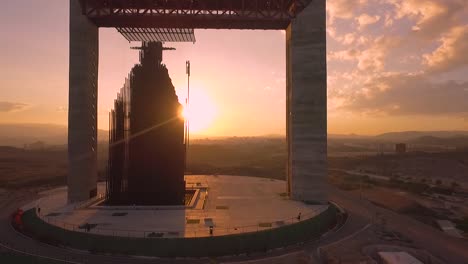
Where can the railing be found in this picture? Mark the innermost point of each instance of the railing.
(189, 231)
(267, 238)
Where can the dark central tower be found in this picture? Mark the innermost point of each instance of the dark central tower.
(152, 148)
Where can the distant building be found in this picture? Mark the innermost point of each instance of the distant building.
(400, 148)
(38, 145)
(401, 257)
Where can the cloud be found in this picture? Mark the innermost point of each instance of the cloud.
(340, 9)
(405, 94)
(62, 109)
(452, 53)
(343, 55)
(343, 9)
(365, 20)
(349, 38)
(431, 17)
(373, 58)
(12, 106)
(392, 67)
(388, 22)
(370, 54)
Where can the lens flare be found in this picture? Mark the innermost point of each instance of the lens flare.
(202, 111)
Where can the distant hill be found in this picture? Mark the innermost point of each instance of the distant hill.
(412, 135)
(455, 141)
(347, 136)
(20, 134)
(8, 149)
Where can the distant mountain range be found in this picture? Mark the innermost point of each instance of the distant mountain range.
(20, 134)
(348, 136)
(454, 141)
(412, 135)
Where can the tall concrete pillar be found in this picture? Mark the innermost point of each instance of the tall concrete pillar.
(82, 106)
(306, 104)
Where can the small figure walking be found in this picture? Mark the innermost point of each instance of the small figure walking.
(299, 217)
(39, 210)
(211, 230)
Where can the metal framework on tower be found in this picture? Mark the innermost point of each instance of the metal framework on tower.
(215, 14)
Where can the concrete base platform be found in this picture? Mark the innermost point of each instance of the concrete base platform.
(231, 204)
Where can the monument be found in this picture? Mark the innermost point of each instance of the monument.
(146, 146)
(166, 21)
(226, 215)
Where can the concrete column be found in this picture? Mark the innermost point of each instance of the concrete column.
(306, 97)
(82, 106)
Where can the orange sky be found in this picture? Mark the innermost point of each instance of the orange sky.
(393, 65)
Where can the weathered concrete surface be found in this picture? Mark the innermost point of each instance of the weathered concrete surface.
(232, 204)
(82, 106)
(306, 106)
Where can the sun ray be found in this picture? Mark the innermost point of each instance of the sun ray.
(202, 111)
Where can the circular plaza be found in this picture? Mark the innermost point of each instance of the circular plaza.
(239, 214)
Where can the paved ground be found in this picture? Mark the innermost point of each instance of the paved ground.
(11, 239)
(231, 204)
(361, 213)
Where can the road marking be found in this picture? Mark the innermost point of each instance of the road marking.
(350, 236)
(341, 240)
(264, 259)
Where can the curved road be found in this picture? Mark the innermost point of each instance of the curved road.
(450, 249)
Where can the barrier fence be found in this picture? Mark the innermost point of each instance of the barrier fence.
(188, 231)
(201, 246)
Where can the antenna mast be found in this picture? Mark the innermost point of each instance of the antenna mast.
(187, 106)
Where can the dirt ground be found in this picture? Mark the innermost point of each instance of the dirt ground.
(363, 247)
(398, 201)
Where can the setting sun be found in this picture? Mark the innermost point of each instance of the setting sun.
(202, 111)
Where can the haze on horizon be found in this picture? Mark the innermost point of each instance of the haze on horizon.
(393, 65)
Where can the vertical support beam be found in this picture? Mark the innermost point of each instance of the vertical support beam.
(306, 97)
(82, 106)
